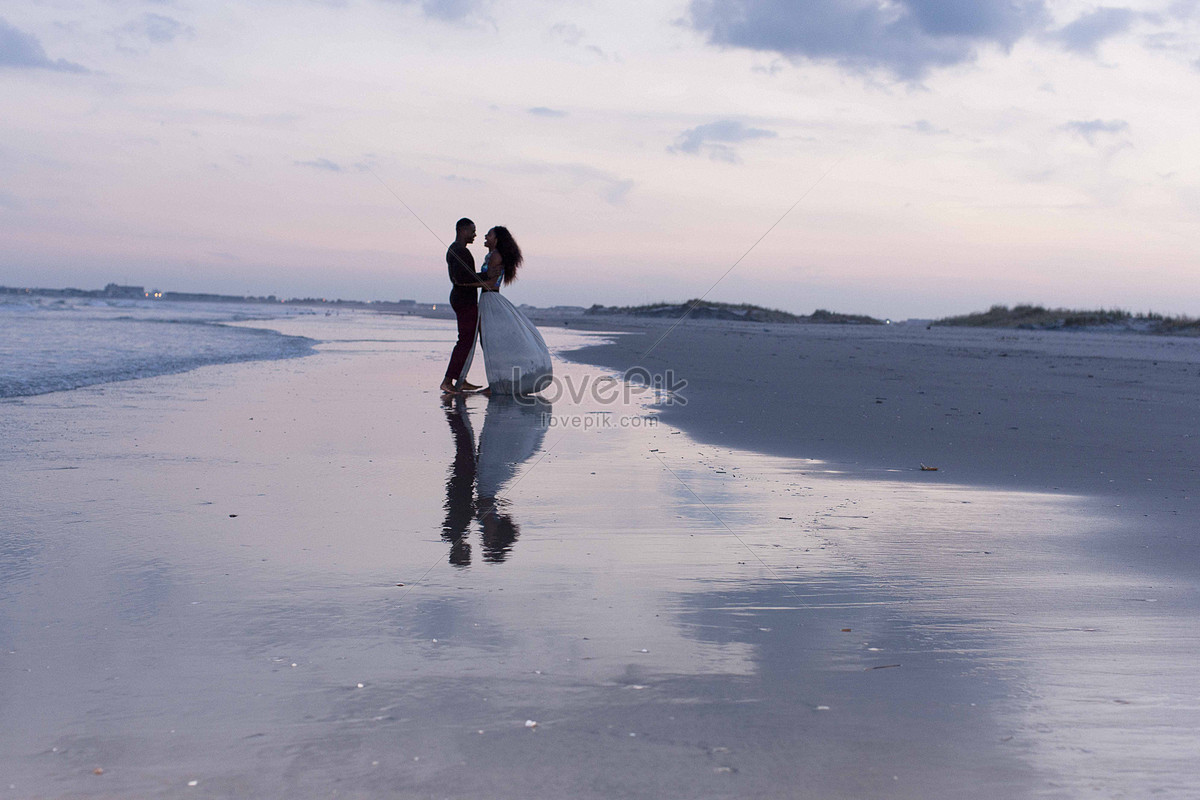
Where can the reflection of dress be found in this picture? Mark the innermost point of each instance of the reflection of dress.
(515, 356)
(512, 432)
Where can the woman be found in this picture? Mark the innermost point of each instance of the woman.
(515, 357)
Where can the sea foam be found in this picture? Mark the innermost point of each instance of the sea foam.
(52, 344)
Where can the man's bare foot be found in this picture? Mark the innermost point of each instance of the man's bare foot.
(468, 387)
(486, 391)
(447, 387)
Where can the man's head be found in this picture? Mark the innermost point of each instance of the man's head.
(464, 231)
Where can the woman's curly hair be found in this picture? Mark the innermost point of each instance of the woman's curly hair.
(509, 252)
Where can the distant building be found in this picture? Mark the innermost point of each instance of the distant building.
(116, 290)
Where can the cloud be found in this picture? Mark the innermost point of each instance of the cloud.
(449, 10)
(158, 29)
(772, 69)
(23, 51)
(1084, 34)
(612, 188)
(573, 35)
(542, 111)
(926, 127)
(200, 116)
(617, 191)
(1184, 9)
(715, 139)
(568, 32)
(905, 37)
(1169, 42)
(320, 163)
(1090, 129)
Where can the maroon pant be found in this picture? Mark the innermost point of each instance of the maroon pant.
(468, 319)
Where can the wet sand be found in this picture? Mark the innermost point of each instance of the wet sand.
(284, 579)
(1111, 416)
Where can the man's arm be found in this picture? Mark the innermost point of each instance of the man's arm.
(476, 279)
(462, 271)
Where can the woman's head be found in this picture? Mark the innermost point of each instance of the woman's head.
(503, 243)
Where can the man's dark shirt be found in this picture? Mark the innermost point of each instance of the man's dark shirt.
(461, 265)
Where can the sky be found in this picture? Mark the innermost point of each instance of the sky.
(900, 158)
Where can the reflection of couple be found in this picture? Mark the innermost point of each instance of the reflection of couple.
(515, 357)
(512, 432)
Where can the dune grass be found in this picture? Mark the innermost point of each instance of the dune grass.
(1041, 318)
(707, 309)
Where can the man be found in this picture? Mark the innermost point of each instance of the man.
(464, 299)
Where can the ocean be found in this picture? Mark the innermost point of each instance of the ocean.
(51, 344)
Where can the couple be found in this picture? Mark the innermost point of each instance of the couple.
(515, 357)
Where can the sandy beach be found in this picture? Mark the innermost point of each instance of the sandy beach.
(313, 577)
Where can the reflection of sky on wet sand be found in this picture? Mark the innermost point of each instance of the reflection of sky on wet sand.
(672, 615)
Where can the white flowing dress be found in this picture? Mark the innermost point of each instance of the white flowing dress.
(515, 356)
